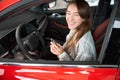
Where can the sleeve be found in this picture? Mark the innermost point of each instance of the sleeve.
(64, 57)
(85, 52)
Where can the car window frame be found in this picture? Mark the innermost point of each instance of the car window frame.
(108, 33)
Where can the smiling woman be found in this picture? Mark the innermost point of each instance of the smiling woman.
(79, 45)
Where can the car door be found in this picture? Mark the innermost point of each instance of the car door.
(105, 68)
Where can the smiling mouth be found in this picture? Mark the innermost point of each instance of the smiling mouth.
(71, 23)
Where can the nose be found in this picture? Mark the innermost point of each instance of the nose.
(70, 17)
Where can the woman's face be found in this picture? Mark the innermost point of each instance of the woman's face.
(72, 17)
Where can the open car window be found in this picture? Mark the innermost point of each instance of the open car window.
(56, 27)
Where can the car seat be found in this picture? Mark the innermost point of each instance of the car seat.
(99, 33)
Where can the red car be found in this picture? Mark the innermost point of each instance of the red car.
(26, 27)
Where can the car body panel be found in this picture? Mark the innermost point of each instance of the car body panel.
(57, 72)
(6, 3)
(118, 74)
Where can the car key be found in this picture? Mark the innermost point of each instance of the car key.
(52, 40)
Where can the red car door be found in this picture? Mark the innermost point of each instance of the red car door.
(105, 68)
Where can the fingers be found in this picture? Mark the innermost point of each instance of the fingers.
(56, 48)
(52, 47)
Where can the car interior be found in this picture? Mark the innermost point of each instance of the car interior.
(33, 33)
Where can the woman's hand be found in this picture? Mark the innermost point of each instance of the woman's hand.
(56, 48)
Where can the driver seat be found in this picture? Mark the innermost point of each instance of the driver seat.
(99, 33)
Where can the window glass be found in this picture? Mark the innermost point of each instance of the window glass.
(60, 4)
(93, 2)
(112, 2)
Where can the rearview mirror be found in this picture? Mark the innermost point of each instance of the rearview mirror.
(52, 4)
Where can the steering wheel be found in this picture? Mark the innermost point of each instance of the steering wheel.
(35, 38)
(30, 42)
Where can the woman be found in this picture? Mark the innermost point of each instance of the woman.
(79, 45)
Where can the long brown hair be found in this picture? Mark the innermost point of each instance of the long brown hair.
(85, 13)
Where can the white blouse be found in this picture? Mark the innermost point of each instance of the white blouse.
(84, 50)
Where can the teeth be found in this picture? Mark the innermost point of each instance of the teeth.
(71, 23)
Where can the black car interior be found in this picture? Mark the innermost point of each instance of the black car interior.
(32, 35)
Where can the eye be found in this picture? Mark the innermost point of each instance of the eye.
(76, 14)
(67, 13)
